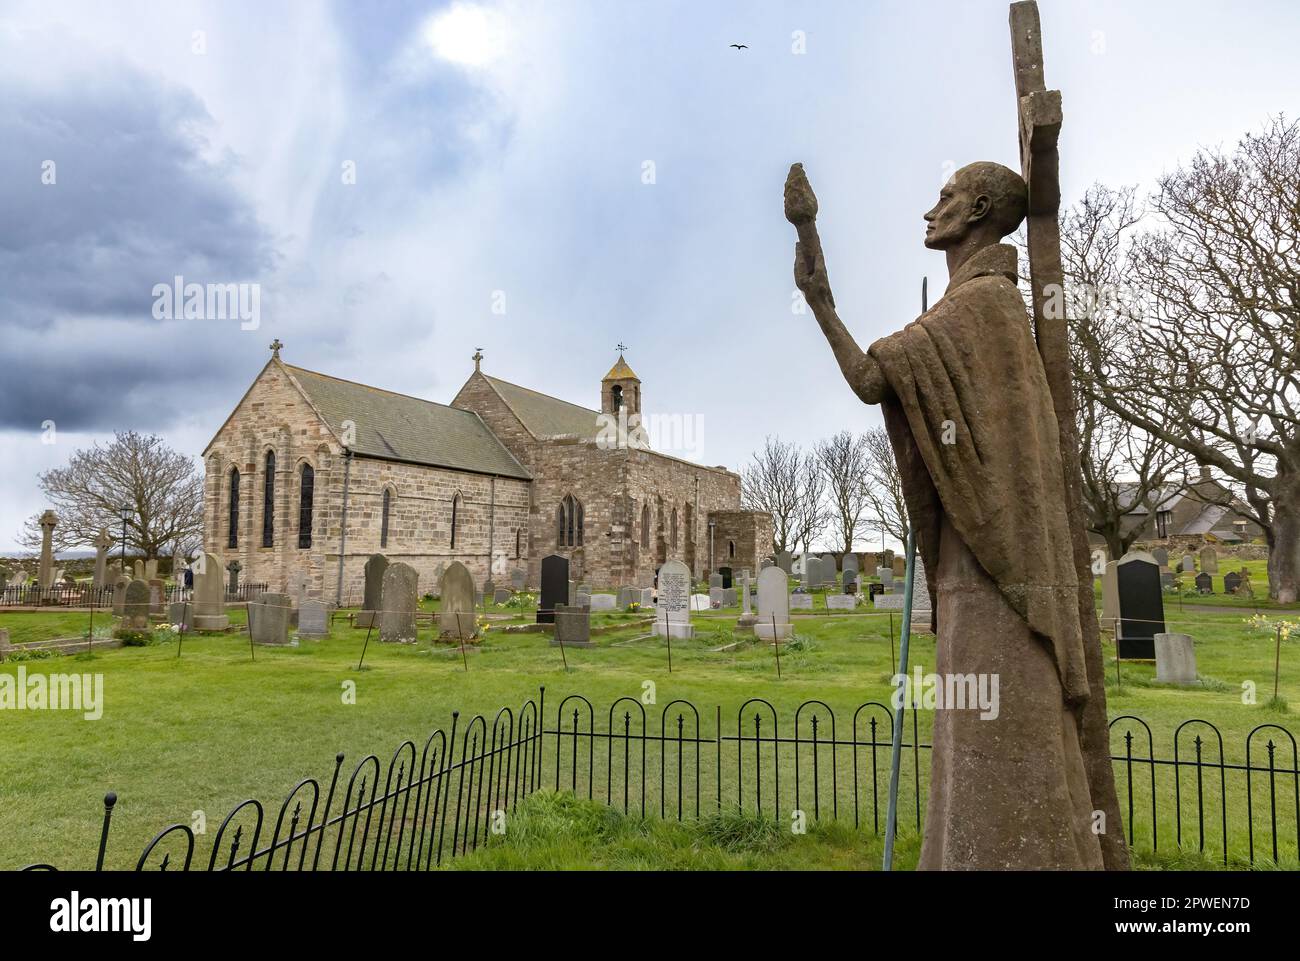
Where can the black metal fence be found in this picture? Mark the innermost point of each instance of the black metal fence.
(444, 799)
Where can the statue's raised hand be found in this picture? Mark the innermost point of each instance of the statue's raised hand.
(809, 265)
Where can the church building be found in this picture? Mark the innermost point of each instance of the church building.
(311, 474)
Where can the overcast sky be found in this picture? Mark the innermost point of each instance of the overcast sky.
(500, 153)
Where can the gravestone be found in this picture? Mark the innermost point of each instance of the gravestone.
(137, 570)
(725, 574)
(297, 588)
(232, 571)
(518, 577)
(785, 561)
(1161, 556)
(1166, 580)
(1175, 659)
(456, 617)
(157, 596)
(1204, 583)
(501, 596)
(715, 597)
(135, 608)
(800, 602)
(728, 597)
(672, 614)
(45, 571)
(180, 614)
(119, 595)
(1231, 581)
(1209, 560)
(841, 602)
(1141, 606)
(850, 566)
(887, 558)
(886, 575)
(773, 619)
(268, 619)
(399, 599)
(899, 567)
(1188, 563)
(555, 587)
(376, 566)
(701, 602)
(715, 581)
(151, 569)
(1243, 584)
(209, 596)
(627, 596)
(582, 599)
(920, 588)
(812, 572)
(830, 566)
(604, 602)
(102, 543)
(647, 598)
(850, 584)
(572, 627)
(745, 623)
(1110, 596)
(874, 590)
(313, 618)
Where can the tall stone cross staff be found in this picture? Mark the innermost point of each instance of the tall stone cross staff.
(1039, 111)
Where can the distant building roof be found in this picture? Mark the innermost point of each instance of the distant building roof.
(546, 416)
(1205, 521)
(404, 428)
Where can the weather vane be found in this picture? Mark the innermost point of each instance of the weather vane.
(620, 347)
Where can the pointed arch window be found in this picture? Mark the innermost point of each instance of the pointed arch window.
(616, 395)
(455, 517)
(306, 499)
(568, 517)
(645, 527)
(268, 501)
(232, 516)
(674, 529)
(519, 540)
(731, 548)
(383, 518)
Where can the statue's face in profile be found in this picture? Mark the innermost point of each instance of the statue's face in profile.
(948, 221)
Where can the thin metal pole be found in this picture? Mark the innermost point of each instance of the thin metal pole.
(896, 752)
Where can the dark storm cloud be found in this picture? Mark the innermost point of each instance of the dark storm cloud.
(134, 203)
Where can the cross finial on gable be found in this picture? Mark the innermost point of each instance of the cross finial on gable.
(275, 348)
(478, 357)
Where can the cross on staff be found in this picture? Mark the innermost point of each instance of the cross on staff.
(1039, 121)
(620, 347)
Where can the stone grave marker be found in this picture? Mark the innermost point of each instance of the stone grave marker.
(1141, 605)
(555, 587)
(1209, 560)
(119, 595)
(456, 617)
(135, 610)
(773, 605)
(1175, 659)
(209, 595)
(375, 569)
(157, 596)
(1231, 581)
(841, 602)
(313, 618)
(502, 596)
(604, 602)
(800, 602)
(1161, 556)
(1188, 563)
(572, 627)
(268, 619)
(399, 599)
(672, 614)
(102, 543)
(1204, 583)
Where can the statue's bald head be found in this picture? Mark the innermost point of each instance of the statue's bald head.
(983, 197)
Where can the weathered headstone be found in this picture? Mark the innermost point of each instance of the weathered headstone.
(209, 597)
(1188, 563)
(1204, 583)
(297, 588)
(518, 577)
(785, 561)
(1141, 606)
(920, 587)
(1175, 659)
(728, 597)
(157, 596)
(572, 627)
(886, 575)
(627, 596)
(672, 615)
(45, 572)
(399, 599)
(119, 595)
(604, 602)
(180, 614)
(850, 566)
(1161, 556)
(137, 570)
(702, 602)
(800, 602)
(135, 610)
(268, 619)
(313, 618)
(899, 567)
(151, 569)
(773, 621)
(457, 618)
(375, 569)
(1231, 581)
(502, 595)
(1209, 560)
(841, 602)
(1110, 596)
(102, 543)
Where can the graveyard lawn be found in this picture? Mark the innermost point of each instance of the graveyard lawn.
(219, 724)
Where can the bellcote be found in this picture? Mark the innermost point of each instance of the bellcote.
(620, 390)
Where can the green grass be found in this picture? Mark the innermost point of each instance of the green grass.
(207, 730)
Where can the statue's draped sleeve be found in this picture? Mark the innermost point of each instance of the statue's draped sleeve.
(970, 418)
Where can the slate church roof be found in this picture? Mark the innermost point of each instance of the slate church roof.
(544, 415)
(399, 427)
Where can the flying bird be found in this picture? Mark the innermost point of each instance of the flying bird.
(740, 46)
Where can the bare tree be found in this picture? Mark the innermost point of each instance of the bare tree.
(843, 461)
(1212, 369)
(886, 509)
(159, 485)
(1123, 468)
(812, 514)
(772, 483)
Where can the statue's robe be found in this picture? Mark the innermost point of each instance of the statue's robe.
(970, 418)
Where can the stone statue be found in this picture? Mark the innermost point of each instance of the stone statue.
(970, 417)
